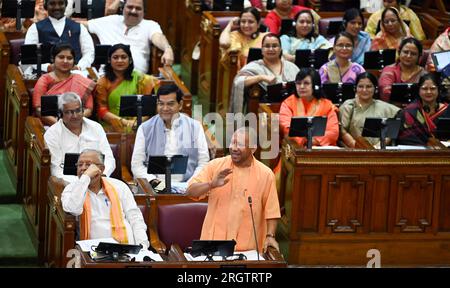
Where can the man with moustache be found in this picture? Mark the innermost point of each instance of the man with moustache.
(105, 206)
(72, 134)
(229, 182)
(131, 29)
(58, 28)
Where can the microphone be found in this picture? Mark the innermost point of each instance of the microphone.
(254, 228)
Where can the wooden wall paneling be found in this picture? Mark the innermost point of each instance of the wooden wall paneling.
(226, 72)
(15, 112)
(399, 200)
(190, 35)
(36, 171)
(212, 24)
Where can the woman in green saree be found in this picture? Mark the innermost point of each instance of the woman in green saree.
(120, 79)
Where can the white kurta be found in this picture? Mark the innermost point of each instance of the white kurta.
(61, 140)
(73, 198)
(112, 30)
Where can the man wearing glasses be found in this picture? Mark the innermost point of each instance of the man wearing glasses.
(105, 206)
(170, 133)
(73, 133)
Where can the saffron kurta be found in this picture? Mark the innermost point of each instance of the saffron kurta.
(228, 216)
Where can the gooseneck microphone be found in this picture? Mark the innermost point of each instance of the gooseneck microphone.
(254, 228)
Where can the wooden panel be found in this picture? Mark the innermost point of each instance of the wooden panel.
(5, 55)
(414, 203)
(35, 173)
(395, 201)
(345, 203)
(210, 55)
(190, 35)
(227, 70)
(379, 204)
(16, 110)
(444, 211)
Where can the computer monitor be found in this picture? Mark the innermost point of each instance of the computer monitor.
(305, 58)
(101, 54)
(29, 53)
(443, 128)
(404, 93)
(81, 9)
(228, 5)
(308, 127)
(338, 93)
(254, 54)
(209, 248)
(287, 27)
(334, 27)
(276, 93)
(379, 59)
(70, 161)
(49, 105)
(441, 60)
(9, 8)
(137, 106)
(381, 128)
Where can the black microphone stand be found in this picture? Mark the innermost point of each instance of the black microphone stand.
(254, 228)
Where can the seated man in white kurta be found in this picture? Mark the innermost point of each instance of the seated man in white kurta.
(170, 133)
(105, 206)
(72, 134)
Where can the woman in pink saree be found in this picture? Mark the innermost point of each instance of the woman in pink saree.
(62, 80)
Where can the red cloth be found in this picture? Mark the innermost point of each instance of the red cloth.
(273, 20)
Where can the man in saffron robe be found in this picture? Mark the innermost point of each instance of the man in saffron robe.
(229, 182)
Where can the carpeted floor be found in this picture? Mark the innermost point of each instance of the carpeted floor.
(16, 247)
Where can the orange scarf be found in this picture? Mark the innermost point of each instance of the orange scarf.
(118, 229)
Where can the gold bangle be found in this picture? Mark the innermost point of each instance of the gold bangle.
(270, 235)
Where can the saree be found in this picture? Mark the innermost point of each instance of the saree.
(291, 44)
(47, 85)
(109, 93)
(258, 67)
(329, 73)
(417, 125)
(384, 40)
(393, 74)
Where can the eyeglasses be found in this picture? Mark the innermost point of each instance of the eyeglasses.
(82, 164)
(72, 112)
(390, 21)
(273, 46)
(344, 46)
(409, 53)
(365, 87)
(170, 104)
(432, 88)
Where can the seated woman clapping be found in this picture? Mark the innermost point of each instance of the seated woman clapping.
(304, 37)
(245, 36)
(419, 118)
(307, 101)
(120, 79)
(354, 112)
(406, 70)
(62, 80)
(341, 69)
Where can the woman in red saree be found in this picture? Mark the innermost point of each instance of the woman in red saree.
(419, 118)
(62, 80)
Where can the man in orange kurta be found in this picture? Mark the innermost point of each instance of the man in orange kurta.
(228, 182)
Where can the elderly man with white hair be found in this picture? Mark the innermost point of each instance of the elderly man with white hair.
(73, 133)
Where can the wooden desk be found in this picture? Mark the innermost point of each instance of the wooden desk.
(36, 171)
(344, 202)
(16, 109)
(176, 259)
(5, 60)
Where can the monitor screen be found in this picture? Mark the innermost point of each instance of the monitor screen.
(441, 60)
